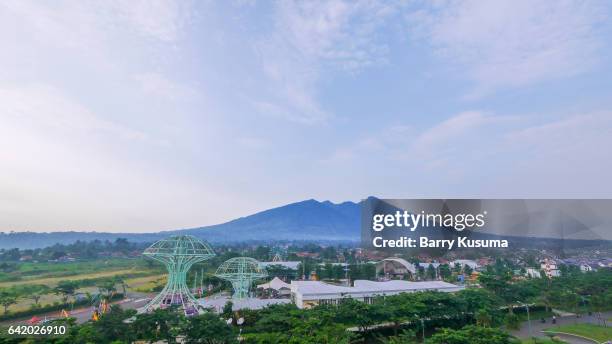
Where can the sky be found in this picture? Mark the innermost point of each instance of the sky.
(140, 116)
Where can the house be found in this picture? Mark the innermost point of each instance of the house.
(275, 289)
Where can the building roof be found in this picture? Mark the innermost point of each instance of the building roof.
(397, 285)
(409, 266)
(471, 263)
(369, 287)
(276, 284)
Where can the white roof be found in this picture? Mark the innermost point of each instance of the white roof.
(317, 287)
(290, 265)
(409, 266)
(217, 302)
(364, 287)
(426, 265)
(276, 284)
(471, 263)
(399, 285)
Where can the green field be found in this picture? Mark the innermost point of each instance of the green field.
(591, 331)
(542, 341)
(27, 277)
(29, 272)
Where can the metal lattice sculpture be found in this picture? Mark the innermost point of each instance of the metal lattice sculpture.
(278, 254)
(178, 254)
(241, 272)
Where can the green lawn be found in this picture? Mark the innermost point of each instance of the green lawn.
(542, 341)
(591, 331)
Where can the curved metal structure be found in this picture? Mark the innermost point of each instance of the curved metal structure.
(178, 254)
(241, 272)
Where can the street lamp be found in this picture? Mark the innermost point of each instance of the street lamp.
(528, 318)
(423, 327)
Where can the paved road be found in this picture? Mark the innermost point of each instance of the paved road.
(537, 326)
(134, 300)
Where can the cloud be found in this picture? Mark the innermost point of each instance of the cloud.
(495, 155)
(64, 166)
(309, 39)
(501, 44)
(160, 19)
(48, 110)
(156, 84)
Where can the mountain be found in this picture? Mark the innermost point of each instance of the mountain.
(309, 220)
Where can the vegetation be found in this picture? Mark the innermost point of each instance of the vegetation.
(474, 315)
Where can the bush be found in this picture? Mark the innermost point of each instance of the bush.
(512, 321)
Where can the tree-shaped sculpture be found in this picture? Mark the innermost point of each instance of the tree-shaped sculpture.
(178, 254)
(278, 254)
(241, 272)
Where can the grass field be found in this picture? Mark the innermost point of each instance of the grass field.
(137, 274)
(542, 341)
(591, 331)
(26, 272)
(145, 284)
(52, 281)
(46, 299)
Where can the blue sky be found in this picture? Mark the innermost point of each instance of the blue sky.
(151, 115)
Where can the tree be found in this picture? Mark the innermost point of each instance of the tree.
(402, 309)
(431, 272)
(406, 337)
(483, 318)
(512, 321)
(209, 329)
(471, 335)
(107, 288)
(7, 298)
(35, 296)
(66, 289)
(160, 325)
(445, 271)
(112, 325)
(362, 314)
(467, 270)
(120, 281)
(228, 310)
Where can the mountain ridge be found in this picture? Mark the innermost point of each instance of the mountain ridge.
(304, 220)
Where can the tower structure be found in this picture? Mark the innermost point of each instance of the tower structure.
(278, 254)
(241, 272)
(178, 254)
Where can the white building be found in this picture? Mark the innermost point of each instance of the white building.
(465, 262)
(307, 294)
(533, 273)
(276, 288)
(549, 266)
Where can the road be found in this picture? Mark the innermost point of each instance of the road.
(537, 326)
(134, 300)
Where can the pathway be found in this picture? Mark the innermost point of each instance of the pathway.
(537, 326)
